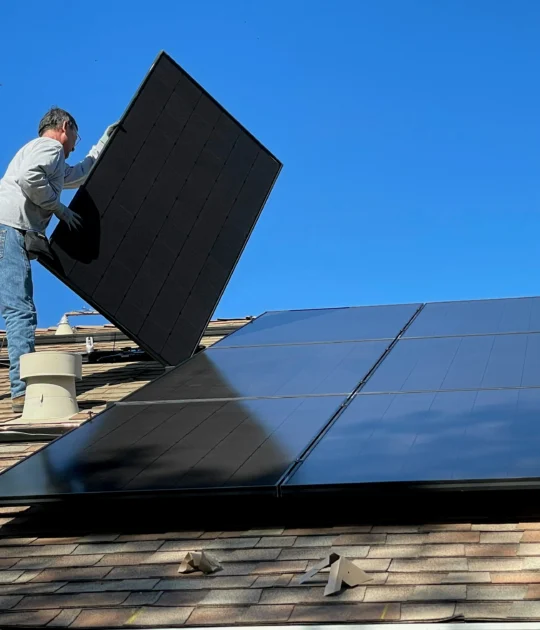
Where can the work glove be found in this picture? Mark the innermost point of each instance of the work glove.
(108, 132)
(72, 219)
(98, 148)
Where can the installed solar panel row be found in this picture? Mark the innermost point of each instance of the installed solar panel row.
(460, 363)
(436, 436)
(350, 400)
(477, 317)
(323, 325)
(197, 447)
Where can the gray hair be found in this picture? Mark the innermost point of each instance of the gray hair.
(54, 119)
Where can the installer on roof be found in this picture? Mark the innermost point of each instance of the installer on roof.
(29, 196)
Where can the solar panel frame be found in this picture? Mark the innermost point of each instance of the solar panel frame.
(166, 303)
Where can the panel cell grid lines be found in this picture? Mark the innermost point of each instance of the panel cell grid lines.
(166, 211)
(456, 399)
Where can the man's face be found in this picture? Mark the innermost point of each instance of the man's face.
(70, 137)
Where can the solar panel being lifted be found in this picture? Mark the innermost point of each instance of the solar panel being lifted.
(167, 212)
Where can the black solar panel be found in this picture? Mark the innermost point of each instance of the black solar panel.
(478, 317)
(316, 326)
(166, 212)
(200, 447)
(475, 362)
(445, 436)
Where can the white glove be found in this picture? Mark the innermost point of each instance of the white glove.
(72, 219)
(98, 148)
(108, 132)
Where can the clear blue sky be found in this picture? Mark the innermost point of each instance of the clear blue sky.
(409, 132)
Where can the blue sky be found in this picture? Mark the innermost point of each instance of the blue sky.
(409, 132)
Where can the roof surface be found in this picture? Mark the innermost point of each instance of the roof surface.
(422, 572)
(98, 570)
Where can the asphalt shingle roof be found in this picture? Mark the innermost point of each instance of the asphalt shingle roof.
(418, 572)
(93, 570)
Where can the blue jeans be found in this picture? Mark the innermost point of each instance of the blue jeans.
(16, 303)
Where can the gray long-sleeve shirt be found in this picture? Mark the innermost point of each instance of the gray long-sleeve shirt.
(31, 188)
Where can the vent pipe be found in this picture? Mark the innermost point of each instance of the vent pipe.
(50, 385)
(63, 327)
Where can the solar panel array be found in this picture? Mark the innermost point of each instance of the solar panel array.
(457, 399)
(319, 400)
(166, 211)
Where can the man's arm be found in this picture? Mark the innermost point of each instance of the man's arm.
(76, 175)
(41, 167)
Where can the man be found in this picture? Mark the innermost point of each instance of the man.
(29, 196)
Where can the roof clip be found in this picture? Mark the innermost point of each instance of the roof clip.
(342, 571)
(199, 561)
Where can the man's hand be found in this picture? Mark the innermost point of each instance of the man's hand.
(98, 148)
(110, 129)
(108, 133)
(72, 219)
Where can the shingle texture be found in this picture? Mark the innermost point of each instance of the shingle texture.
(118, 579)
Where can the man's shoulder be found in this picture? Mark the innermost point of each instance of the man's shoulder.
(46, 149)
(46, 144)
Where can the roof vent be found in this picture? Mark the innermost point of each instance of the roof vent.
(50, 385)
(63, 327)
